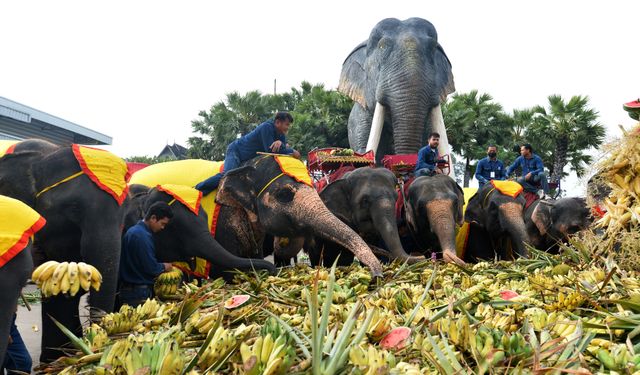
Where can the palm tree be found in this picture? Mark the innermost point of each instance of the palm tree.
(566, 130)
(473, 122)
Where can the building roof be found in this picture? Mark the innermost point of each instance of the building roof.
(173, 151)
(18, 121)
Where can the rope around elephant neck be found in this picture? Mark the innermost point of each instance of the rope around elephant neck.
(269, 183)
(59, 183)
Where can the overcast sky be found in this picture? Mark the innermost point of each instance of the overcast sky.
(140, 71)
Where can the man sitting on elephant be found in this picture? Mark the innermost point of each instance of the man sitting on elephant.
(532, 170)
(267, 137)
(138, 264)
(490, 168)
(428, 157)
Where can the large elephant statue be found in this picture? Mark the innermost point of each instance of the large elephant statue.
(260, 198)
(398, 78)
(187, 235)
(365, 200)
(549, 222)
(84, 223)
(18, 222)
(433, 208)
(496, 222)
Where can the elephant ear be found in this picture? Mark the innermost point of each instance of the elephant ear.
(475, 212)
(541, 216)
(336, 197)
(17, 177)
(353, 76)
(460, 212)
(237, 189)
(444, 74)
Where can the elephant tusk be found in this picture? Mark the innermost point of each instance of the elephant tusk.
(437, 125)
(376, 128)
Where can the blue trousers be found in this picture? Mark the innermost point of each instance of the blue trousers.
(424, 172)
(134, 296)
(532, 185)
(17, 357)
(231, 161)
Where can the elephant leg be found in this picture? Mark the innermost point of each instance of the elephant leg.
(64, 310)
(359, 127)
(283, 253)
(13, 276)
(333, 252)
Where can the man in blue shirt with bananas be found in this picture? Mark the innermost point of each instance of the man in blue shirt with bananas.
(532, 170)
(426, 165)
(267, 137)
(490, 168)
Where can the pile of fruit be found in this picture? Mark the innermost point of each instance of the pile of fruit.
(576, 313)
(167, 283)
(54, 278)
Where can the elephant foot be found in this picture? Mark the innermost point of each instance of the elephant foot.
(451, 257)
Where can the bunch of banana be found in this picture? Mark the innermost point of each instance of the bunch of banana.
(485, 347)
(167, 283)
(95, 337)
(54, 278)
(149, 309)
(458, 330)
(293, 320)
(566, 301)
(222, 343)
(516, 346)
(404, 368)
(202, 322)
(120, 322)
(267, 356)
(502, 320)
(424, 345)
(617, 358)
(371, 361)
(380, 325)
(404, 303)
(537, 317)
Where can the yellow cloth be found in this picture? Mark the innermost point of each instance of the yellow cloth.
(294, 168)
(18, 222)
(6, 147)
(105, 169)
(186, 195)
(509, 188)
(463, 232)
(188, 173)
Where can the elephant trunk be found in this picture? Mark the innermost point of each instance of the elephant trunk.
(441, 219)
(511, 218)
(313, 214)
(383, 215)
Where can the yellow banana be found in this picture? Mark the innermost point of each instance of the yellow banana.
(44, 271)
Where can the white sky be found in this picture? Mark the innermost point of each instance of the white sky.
(140, 71)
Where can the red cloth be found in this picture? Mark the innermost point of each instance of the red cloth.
(400, 200)
(325, 181)
(530, 198)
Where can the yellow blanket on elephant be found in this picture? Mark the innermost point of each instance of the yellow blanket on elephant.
(187, 173)
(462, 237)
(18, 222)
(186, 195)
(106, 170)
(508, 188)
(294, 168)
(6, 147)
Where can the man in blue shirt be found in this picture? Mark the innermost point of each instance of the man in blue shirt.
(532, 170)
(427, 157)
(490, 168)
(267, 137)
(138, 264)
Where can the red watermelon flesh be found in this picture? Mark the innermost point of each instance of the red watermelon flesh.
(236, 301)
(508, 294)
(633, 108)
(396, 338)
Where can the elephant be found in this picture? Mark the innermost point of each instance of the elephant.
(187, 235)
(84, 223)
(496, 221)
(365, 200)
(259, 198)
(398, 79)
(548, 222)
(14, 270)
(433, 207)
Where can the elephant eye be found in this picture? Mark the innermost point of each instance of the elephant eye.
(285, 195)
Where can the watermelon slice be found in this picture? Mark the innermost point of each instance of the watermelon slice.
(633, 109)
(236, 301)
(508, 294)
(397, 338)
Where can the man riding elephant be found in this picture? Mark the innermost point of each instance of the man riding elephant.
(270, 136)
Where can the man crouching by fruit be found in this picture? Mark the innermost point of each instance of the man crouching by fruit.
(138, 264)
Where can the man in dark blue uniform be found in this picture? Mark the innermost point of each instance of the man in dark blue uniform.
(17, 358)
(267, 137)
(427, 157)
(490, 168)
(138, 264)
(532, 170)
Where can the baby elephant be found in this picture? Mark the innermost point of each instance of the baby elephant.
(549, 222)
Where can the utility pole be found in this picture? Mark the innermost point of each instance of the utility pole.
(274, 86)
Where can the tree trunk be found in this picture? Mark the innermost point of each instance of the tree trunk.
(467, 174)
(559, 159)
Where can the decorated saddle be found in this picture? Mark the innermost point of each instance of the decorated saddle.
(18, 223)
(462, 237)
